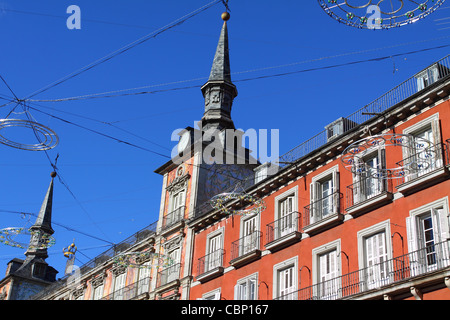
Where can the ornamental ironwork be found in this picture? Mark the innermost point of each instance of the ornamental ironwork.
(379, 14)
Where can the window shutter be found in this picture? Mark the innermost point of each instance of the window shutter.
(411, 234)
(436, 139)
(443, 224)
(336, 195)
(236, 292)
(314, 206)
(217, 296)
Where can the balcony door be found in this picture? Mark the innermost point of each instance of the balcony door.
(328, 272)
(213, 257)
(376, 257)
(286, 219)
(173, 272)
(250, 236)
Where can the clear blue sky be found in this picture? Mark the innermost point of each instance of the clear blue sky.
(116, 188)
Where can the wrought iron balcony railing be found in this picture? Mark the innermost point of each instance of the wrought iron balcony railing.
(245, 245)
(210, 261)
(366, 188)
(173, 217)
(131, 291)
(285, 225)
(424, 161)
(168, 275)
(403, 268)
(321, 208)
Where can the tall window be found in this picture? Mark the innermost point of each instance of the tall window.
(98, 291)
(424, 151)
(250, 238)
(328, 272)
(286, 220)
(144, 277)
(368, 183)
(286, 283)
(173, 272)
(428, 234)
(246, 289)
(119, 284)
(214, 253)
(324, 195)
(376, 260)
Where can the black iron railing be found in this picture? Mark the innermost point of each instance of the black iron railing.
(246, 244)
(168, 275)
(367, 187)
(285, 225)
(131, 291)
(210, 261)
(403, 268)
(321, 208)
(173, 217)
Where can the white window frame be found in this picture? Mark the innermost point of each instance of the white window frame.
(119, 286)
(433, 122)
(316, 183)
(246, 244)
(214, 294)
(247, 282)
(217, 233)
(316, 254)
(292, 262)
(384, 226)
(98, 291)
(439, 211)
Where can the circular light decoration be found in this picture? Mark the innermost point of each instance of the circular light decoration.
(8, 237)
(138, 260)
(423, 155)
(379, 14)
(48, 138)
(257, 205)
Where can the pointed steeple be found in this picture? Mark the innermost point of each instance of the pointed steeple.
(43, 224)
(35, 265)
(219, 91)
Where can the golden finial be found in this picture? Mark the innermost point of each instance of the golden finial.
(225, 16)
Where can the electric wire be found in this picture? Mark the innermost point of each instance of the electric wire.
(126, 48)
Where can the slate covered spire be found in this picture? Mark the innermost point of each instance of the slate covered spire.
(36, 253)
(219, 92)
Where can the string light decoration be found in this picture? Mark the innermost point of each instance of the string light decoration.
(138, 260)
(369, 14)
(50, 139)
(257, 204)
(8, 235)
(423, 155)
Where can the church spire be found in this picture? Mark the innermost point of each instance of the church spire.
(43, 225)
(219, 91)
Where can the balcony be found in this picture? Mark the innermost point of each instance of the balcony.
(322, 214)
(246, 249)
(136, 291)
(210, 266)
(173, 220)
(394, 275)
(283, 232)
(367, 194)
(168, 278)
(427, 167)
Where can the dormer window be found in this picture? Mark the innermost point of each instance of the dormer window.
(427, 77)
(39, 270)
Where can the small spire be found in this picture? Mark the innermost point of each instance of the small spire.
(221, 70)
(44, 219)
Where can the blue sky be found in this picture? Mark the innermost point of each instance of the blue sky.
(116, 190)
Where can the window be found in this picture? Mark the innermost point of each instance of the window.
(424, 151)
(374, 252)
(119, 284)
(328, 272)
(213, 295)
(324, 195)
(144, 277)
(285, 279)
(98, 292)
(250, 235)
(428, 234)
(247, 289)
(368, 183)
(39, 270)
(173, 272)
(286, 283)
(213, 257)
(177, 200)
(286, 221)
(326, 268)
(427, 77)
